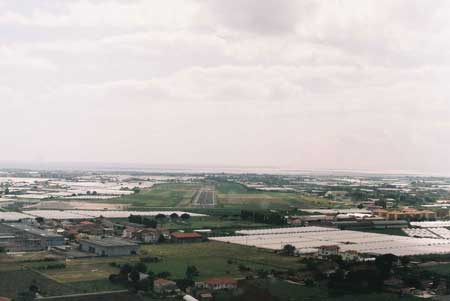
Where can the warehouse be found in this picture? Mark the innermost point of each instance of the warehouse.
(23, 237)
(108, 246)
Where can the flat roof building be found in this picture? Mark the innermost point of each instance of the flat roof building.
(23, 237)
(108, 246)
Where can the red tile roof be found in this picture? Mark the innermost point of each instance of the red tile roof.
(333, 247)
(162, 281)
(182, 235)
(221, 281)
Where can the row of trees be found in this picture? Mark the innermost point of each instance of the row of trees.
(140, 277)
(266, 217)
(153, 223)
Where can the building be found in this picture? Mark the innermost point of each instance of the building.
(215, 284)
(19, 237)
(350, 255)
(182, 237)
(406, 213)
(108, 246)
(398, 224)
(145, 235)
(328, 250)
(164, 287)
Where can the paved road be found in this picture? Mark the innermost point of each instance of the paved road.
(205, 198)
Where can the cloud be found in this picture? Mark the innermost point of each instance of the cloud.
(300, 84)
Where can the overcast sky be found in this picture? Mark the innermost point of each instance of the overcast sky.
(360, 84)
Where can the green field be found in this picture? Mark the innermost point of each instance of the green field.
(228, 223)
(228, 195)
(14, 281)
(163, 195)
(211, 258)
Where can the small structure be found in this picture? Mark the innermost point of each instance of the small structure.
(164, 287)
(182, 237)
(215, 284)
(350, 255)
(396, 224)
(108, 246)
(328, 250)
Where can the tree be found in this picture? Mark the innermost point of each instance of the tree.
(174, 215)
(125, 269)
(39, 219)
(185, 216)
(405, 260)
(289, 250)
(135, 275)
(141, 267)
(384, 264)
(191, 272)
(162, 239)
(160, 216)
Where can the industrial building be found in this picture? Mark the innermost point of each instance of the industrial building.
(17, 237)
(108, 246)
(406, 213)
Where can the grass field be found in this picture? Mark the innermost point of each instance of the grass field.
(211, 222)
(164, 195)
(20, 280)
(211, 259)
(229, 196)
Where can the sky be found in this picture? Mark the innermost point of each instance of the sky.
(354, 84)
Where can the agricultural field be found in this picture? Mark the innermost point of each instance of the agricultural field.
(227, 195)
(216, 259)
(213, 259)
(234, 195)
(13, 281)
(228, 223)
(161, 196)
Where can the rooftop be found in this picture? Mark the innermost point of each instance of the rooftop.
(32, 230)
(162, 281)
(108, 242)
(181, 235)
(219, 281)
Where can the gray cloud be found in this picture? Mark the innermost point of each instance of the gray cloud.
(295, 84)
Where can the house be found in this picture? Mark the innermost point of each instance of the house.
(328, 250)
(164, 286)
(145, 235)
(350, 255)
(215, 284)
(182, 237)
(204, 295)
(108, 246)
